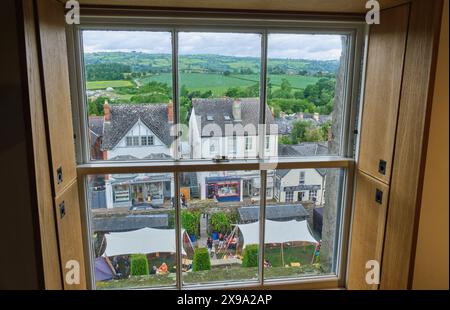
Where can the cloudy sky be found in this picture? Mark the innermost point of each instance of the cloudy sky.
(300, 46)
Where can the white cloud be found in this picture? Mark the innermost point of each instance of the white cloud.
(294, 46)
(126, 41)
(304, 46)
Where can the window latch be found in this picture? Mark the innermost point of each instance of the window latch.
(62, 209)
(220, 159)
(379, 196)
(382, 167)
(59, 175)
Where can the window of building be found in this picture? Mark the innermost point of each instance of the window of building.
(135, 141)
(301, 177)
(289, 196)
(144, 141)
(248, 143)
(129, 141)
(147, 140)
(313, 195)
(291, 82)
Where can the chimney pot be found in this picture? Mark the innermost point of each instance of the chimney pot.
(237, 109)
(316, 116)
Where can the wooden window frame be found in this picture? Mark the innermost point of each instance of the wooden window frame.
(151, 20)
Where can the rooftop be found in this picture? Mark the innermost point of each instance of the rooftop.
(273, 212)
(219, 111)
(125, 116)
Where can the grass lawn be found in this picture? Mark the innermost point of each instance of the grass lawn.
(93, 85)
(301, 254)
(214, 275)
(219, 83)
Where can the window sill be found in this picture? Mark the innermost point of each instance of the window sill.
(104, 167)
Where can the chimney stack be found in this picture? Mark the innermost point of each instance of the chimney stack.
(170, 112)
(316, 116)
(107, 111)
(237, 109)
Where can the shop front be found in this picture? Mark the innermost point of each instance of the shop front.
(223, 189)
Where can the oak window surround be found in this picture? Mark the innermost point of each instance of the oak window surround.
(266, 168)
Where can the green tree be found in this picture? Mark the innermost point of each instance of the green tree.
(96, 106)
(220, 222)
(285, 140)
(190, 220)
(313, 134)
(299, 130)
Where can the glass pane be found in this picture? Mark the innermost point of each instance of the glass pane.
(219, 77)
(214, 205)
(133, 230)
(305, 93)
(129, 94)
(302, 222)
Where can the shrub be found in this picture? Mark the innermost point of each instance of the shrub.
(250, 256)
(139, 265)
(201, 260)
(190, 220)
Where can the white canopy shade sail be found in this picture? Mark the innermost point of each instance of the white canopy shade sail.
(277, 232)
(141, 241)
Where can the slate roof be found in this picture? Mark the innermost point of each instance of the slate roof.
(96, 125)
(132, 222)
(273, 212)
(286, 123)
(159, 156)
(302, 149)
(217, 108)
(124, 157)
(124, 116)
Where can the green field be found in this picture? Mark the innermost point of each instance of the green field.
(94, 85)
(219, 83)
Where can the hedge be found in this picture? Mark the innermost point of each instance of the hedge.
(201, 260)
(250, 256)
(139, 265)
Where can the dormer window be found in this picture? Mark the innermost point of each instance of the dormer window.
(227, 117)
(209, 118)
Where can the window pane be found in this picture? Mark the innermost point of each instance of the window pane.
(219, 77)
(302, 222)
(129, 94)
(214, 205)
(305, 93)
(133, 230)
